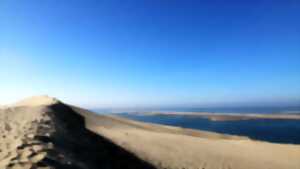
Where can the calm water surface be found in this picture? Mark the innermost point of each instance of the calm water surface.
(279, 131)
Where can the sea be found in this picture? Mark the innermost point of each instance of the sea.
(260, 110)
(276, 131)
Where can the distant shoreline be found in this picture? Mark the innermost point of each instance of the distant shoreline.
(226, 116)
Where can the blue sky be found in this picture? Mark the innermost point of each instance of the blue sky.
(133, 53)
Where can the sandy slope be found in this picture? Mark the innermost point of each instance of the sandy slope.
(43, 132)
(17, 129)
(175, 148)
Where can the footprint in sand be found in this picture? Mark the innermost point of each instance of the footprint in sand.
(20, 166)
(7, 127)
(37, 157)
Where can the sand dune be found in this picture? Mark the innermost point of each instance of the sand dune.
(42, 132)
(49, 134)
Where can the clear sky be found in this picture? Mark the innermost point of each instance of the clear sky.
(151, 52)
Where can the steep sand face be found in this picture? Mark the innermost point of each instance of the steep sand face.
(49, 134)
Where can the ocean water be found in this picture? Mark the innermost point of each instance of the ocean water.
(254, 109)
(277, 131)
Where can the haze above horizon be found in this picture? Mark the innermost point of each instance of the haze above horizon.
(151, 53)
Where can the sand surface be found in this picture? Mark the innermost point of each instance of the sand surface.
(174, 147)
(17, 129)
(42, 132)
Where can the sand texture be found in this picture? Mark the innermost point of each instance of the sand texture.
(50, 135)
(42, 132)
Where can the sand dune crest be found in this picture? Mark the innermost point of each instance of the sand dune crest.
(42, 100)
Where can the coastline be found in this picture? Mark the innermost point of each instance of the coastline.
(225, 116)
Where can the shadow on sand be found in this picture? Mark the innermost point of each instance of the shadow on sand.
(76, 147)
